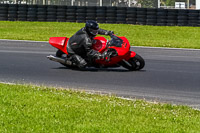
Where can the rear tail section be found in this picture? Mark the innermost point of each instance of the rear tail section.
(59, 43)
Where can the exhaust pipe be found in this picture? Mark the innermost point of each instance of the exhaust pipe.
(60, 60)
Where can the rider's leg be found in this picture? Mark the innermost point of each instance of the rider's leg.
(79, 61)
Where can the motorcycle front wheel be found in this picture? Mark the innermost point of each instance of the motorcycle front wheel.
(134, 64)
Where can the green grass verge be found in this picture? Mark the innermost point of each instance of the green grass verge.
(25, 108)
(156, 36)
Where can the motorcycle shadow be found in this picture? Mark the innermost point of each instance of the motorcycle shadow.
(92, 69)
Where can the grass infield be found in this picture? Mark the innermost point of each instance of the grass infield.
(26, 108)
(155, 36)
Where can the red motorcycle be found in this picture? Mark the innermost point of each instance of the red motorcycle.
(118, 49)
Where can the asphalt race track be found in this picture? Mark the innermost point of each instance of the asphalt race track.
(170, 75)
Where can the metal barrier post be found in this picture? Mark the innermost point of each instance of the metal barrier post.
(197, 4)
(158, 3)
(101, 3)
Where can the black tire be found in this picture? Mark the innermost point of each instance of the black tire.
(162, 13)
(131, 12)
(100, 14)
(71, 11)
(150, 23)
(161, 24)
(90, 8)
(3, 18)
(3, 15)
(161, 20)
(182, 17)
(22, 12)
(41, 10)
(61, 10)
(192, 18)
(131, 15)
(182, 21)
(80, 21)
(4, 5)
(12, 12)
(152, 13)
(142, 9)
(71, 17)
(141, 23)
(141, 12)
(193, 11)
(90, 14)
(111, 10)
(131, 19)
(81, 14)
(140, 19)
(111, 21)
(130, 22)
(110, 14)
(22, 16)
(121, 19)
(121, 11)
(161, 17)
(41, 13)
(182, 24)
(151, 17)
(60, 17)
(134, 64)
(171, 24)
(171, 21)
(3, 11)
(80, 11)
(151, 20)
(151, 10)
(71, 14)
(100, 18)
(90, 18)
(51, 13)
(22, 19)
(172, 17)
(141, 16)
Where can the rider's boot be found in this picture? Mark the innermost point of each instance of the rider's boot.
(79, 61)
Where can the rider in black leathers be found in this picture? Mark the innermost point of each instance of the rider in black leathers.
(80, 44)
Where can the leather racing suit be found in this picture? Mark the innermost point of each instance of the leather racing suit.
(80, 47)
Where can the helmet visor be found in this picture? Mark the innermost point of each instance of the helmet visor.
(93, 31)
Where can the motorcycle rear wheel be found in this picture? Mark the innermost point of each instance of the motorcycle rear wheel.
(134, 64)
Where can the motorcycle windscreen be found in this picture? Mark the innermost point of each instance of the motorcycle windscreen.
(116, 41)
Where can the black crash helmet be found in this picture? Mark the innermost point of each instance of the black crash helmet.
(92, 27)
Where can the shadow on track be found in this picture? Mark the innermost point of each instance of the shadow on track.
(92, 69)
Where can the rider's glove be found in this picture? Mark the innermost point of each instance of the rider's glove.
(110, 33)
(93, 54)
(104, 55)
(97, 56)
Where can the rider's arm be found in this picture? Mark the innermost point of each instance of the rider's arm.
(91, 53)
(104, 32)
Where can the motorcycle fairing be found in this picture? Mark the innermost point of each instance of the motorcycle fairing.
(123, 52)
(60, 43)
(99, 44)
